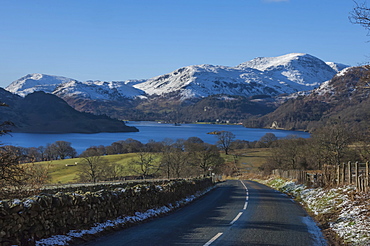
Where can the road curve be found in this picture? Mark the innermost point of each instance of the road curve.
(235, 213)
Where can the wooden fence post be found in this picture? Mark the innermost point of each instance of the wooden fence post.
(325, 173)
(349, 167)
(361, 183)
(338, 175)
(367, 174)
(357, 174)
(343, 173)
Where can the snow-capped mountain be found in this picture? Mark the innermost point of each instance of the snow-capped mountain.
(97, 90)
(345, 97)
(36, 82)
(261, 76)
(336, 66)
(295, 69)
(205, 80)
(66, 87)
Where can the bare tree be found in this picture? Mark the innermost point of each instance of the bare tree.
(225, 138)
(166, 160)
(33, 154)
(60, 150)
(175, 160)
(114, 148)
(361, 15)
(207, 158)
(112, 171)
(11, 172)
(64, 149)
(144, 164)
(17, 179)
(92, 167)
(291, 150)
(334, 138)
(153, 146)
(42, 150)
(287, 153)
(267, 140)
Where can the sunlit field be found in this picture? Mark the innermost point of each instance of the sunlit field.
(65, 171)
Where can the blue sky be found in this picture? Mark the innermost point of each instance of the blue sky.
(139, 39)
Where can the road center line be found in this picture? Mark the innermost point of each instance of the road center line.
(244, 186)
(246, 197)
(213, 239)
(236, 218)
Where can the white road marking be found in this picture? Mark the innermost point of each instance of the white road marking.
(244, 186)
(213, 239)
(236, 218)
(246, 197)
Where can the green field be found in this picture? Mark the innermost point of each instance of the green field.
(65, 171)
(248, 160)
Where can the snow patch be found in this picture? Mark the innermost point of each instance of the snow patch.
(261, 76)
(314, 231)
(353, 222)
(99, 227)
(343, 72)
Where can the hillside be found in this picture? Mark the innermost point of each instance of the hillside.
(45, 113)
(192, 93)
(345, 96)
(268, 76)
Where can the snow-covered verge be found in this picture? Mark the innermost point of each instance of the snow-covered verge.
(118, 222)
(341, 209)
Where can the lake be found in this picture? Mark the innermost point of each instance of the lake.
(147, 131)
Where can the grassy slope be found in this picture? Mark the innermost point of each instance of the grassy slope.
(248, 160)
(61, 173)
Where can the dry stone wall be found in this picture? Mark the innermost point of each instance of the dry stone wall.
(22, 222)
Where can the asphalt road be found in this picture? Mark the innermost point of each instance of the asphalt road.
(235, 213)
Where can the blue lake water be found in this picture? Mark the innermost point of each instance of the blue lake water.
(147, 131)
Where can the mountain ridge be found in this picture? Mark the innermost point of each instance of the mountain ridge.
(345, 97)
(269, 76)
(194, 93)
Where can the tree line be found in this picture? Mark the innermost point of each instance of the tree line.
(169, 159)
(333, 144)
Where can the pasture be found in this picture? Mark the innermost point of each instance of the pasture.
(66, 171)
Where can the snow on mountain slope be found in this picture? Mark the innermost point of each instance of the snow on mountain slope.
(97, 90)
(336, 66)
(66, 87)
(265, 75)
(192, 81)
(36, 82)
(261, 76)
(348, 83)
(294, 69)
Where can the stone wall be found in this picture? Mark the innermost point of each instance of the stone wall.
(22, 222)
